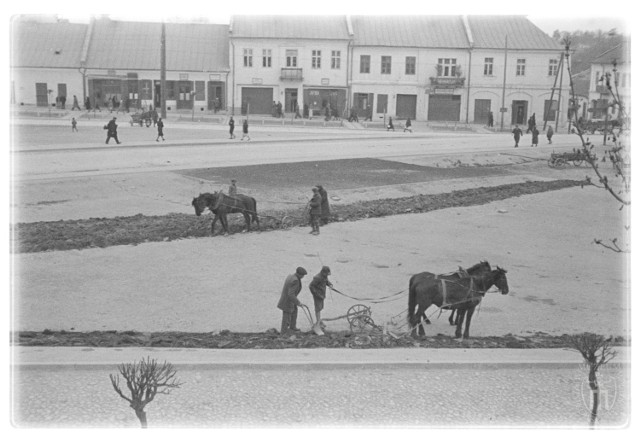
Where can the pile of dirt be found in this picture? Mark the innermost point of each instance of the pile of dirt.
(271, 339)
(137, 229)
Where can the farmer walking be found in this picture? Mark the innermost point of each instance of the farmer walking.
(318, 288)
(112, 131)
(325, 210)
(245, 130)
(517, 133)
(289, 302)
(315, 205)
(160, 125)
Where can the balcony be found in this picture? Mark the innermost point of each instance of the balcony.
(446, 82)
(290, 74)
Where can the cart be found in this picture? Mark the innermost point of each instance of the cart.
(141, 118)
(577, 158)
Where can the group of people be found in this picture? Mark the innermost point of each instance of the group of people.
(289, 301)
(245, 128)
(533, 129)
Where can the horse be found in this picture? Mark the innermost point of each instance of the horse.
(453, 292)
(479, 268)
(220, 205)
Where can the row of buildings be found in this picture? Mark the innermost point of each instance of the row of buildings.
(430, 68)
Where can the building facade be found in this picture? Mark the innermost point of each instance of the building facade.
(600, 98)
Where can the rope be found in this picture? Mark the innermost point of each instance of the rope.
(369, 299)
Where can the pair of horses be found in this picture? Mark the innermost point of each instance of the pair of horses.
(221, 204)
(461, 292)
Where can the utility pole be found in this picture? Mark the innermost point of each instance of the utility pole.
(163, 73)
(504, 84)
(547, 108)
(560, 91)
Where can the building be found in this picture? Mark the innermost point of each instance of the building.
(600, 97)
(291, 60)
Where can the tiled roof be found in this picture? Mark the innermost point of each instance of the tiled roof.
(489, 31)
(331, 27)
(53, 45)
(136, 46)
(444, 31)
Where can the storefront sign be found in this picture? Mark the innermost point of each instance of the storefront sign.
(256, 80)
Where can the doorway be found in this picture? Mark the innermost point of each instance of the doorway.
(290, 99)
(519, 112)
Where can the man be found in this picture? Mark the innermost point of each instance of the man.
(76, 106)
(160, 125)
(232, 126)
(233, 189)
(549, 134)
(289, 302)
(245, 130)
(517, 133)
(325, 211)
(318, 288)
(112, 131)
(315, 210)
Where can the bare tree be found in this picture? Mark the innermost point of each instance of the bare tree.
(596, 351)
(144, 380)
(620, 187)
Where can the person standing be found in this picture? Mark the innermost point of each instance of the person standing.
(315, 210)
(160, 125)
(245, 130)
(549, 134)
(75, 104)
(112, 131)
(407, 126)
(325, 211)
(390, 124)
(490, 122)
(233, 189)
(297, 110)
(74, 125)
(87, 103)
(517, 133)
(318, 288)
(232, 126)
(534, 136)
(289, 302)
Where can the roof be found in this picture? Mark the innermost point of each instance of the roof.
(444, 31)
(315, 27)
(53, 45)
(122, 45)
(619, 53)
(489, 32)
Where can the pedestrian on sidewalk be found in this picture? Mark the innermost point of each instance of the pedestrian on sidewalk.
(245, 130)
(534, 136)
(549, 134)
(289, 302)
(74, 125)
(407, 126)
(75, 104)
(112, 131)
(318, 288)
(232, 126)
(315, 210)
(517, 133)
(490, 122)
(390, 124)
(160, 125)
(325, 210)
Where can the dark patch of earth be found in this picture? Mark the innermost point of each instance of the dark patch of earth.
(137, 229)
(271, 339)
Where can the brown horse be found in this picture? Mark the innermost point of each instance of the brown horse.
(221, 205)
(452, 292)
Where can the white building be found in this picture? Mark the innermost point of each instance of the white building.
(600, 97)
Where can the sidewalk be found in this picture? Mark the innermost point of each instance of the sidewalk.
(74, 356)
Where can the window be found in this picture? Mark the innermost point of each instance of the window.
(385, 65)
(315, 59)
(292, 58)
(335, 59)
(266, 57)
(382, 104)
(248, 57)
(520, 65)
(410, 65)
(488, 67)
(365, 63)
(447, 66)
(553, 67)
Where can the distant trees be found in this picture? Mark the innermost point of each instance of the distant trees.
(587, 45)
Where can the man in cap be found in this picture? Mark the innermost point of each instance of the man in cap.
(318, 288)
(315, 210)
(112, 131)
(289, 302)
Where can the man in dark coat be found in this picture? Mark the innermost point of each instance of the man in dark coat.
(112, 131)
(517, 133)
(325, 210)
(318, 288)
(76, 106)
(549, 134)
(289, 302)
(245, 130)
(160, 125)
(232, 126)
(490, 122)
(534, 136)
(315, 210)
